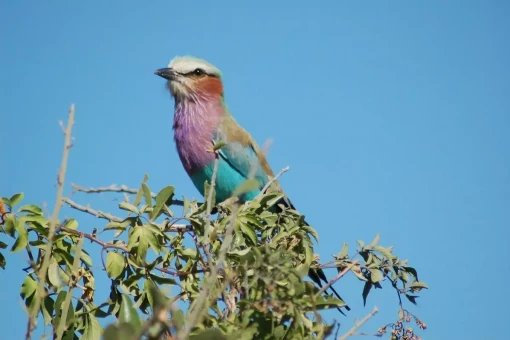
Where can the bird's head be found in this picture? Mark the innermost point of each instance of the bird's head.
(192, 78)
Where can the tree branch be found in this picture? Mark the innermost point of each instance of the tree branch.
(359, 324)
(338, 277)
(89, 210)
(115, 188)
(42, 273)
(121, 246)
(99, 214)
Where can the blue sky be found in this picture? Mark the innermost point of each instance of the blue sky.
(394, 117)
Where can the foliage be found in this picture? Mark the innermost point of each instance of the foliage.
(258, 291)
(238, 274)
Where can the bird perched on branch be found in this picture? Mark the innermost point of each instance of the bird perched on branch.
(201, 120)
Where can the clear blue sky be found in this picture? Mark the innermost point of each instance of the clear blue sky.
(394, 117)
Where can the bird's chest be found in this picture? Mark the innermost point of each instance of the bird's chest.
(194, 147)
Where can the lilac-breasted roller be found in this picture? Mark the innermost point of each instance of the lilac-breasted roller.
(201, 120)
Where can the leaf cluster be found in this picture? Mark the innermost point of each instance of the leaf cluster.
(240, 274)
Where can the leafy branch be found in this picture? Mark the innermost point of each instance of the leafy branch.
(237, 274)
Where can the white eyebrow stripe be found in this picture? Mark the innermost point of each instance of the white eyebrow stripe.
(188, 64)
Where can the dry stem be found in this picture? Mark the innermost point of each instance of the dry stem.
(42, 273)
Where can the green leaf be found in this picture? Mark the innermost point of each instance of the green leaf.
(122, 331)
(15, 199)
(209, 334)
(327, 302)
(240, 252)
(163, 280)
(63, 254)
(129, 221)
(385, 252)
(6, 201)
(188, 253)
(411, 271)
(22, 240)
(375, 241)
(31, 209)
(156, 298)
(147, 194)
(177, 318)
(142, 237)
(115, 264)
(71, 224)
(129, 207)
(418, 285)
(344, 253)
(28, 287)
(36, 219)
(85, 257)
(412, 298)
(93, 329)
(10, 224)
(47, 309)
(3, 245)
(53, 276)
(139, 193)
(128, 313)
(163, 197)
(2, 261)
(249, 232)
(271, 198)
(311, 231)
(366, 290)
(248, 185)
(376, 275)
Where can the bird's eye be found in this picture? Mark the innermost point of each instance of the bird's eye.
(199, 72)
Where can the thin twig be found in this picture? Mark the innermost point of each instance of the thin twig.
(272, 180)
(42, 273)
(121, 246)
(99, 214)
(89, 210)
(115, 188)
(358, 324)
(338, 277)
(213, 184)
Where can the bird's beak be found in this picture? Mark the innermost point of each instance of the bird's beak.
(166, 73)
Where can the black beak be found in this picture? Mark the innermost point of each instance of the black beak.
(166, 73)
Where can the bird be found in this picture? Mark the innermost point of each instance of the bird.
(201, 120)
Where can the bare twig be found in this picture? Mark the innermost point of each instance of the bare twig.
(89, 210)
(99, 214)
(213, 184)
(338, 277)
(358, 324)
(272, 180)
(115, 188)
(42, 273)
(121, 246)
